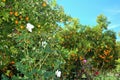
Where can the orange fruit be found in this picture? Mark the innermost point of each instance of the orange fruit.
(103, 57)
(20, 17)
(11, 12)
(106, 61)
(111, 56)
(106, 52)
(27, 18)
(100, 56)
(4, 0)
(21, 27)
(16, 13)
(81, 58)
(16, 21)
(72, 55)
(12, 62)
(44, 4)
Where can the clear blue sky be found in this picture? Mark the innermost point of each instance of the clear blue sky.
(87, 11)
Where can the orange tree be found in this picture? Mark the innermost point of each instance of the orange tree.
(105, 45)
(96, 44)
(74, 46)
(28, 46)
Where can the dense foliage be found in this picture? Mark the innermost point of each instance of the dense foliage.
(33, 45)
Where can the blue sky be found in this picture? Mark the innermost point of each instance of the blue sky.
(87, 11)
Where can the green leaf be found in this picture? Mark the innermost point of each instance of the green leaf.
(2, 4)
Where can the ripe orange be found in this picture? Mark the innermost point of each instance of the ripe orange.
(106, 52)
(12, 62)
(101, 56)
(111, 56)
(106, 60)
(16, 13)
(11, 12)
(44, 4)
(16, 21)
(27, 18)
(72, 55)
(20, 17)
(21, 27)
(81, 58)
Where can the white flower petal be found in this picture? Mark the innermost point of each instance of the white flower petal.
(29, 27)
(58, 73)
(44, 43)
